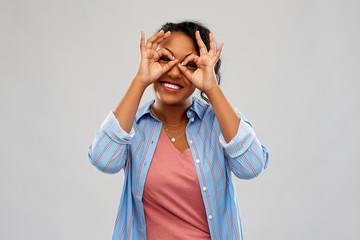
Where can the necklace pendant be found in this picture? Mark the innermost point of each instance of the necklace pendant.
(173, 139)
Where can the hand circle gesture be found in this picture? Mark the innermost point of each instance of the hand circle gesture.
(150, 69)
(203, 77)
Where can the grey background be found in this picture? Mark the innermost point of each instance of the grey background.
(292, 67)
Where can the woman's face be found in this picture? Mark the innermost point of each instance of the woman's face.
(173, 88)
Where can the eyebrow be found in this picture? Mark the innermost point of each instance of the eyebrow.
(174, 54)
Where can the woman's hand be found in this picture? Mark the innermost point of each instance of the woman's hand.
(203, 77)
(150, 69)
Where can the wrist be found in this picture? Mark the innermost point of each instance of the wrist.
(213, 92)
(139, 83)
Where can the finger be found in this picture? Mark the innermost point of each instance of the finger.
(186, 72)
(165, 52)
(166, 35)
(169, 65)
(218, 53)
(142, 40)
(164, 55)
(153, 38)
(212, 43)
(200, 43)
(156, 56)
(160, 40)
(191, 58)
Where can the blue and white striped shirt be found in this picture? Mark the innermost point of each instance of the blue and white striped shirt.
(114, 149)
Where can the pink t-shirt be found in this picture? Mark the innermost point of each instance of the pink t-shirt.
(172, 200)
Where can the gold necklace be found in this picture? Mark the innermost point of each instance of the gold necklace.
(174, 131)
(171, 125)
(173, 139)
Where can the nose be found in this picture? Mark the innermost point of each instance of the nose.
(174, 72)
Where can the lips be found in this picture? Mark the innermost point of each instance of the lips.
(171, 85)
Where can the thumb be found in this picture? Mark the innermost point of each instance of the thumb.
(187, 73)
(169, 65)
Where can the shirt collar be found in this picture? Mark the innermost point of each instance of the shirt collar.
(198, 108)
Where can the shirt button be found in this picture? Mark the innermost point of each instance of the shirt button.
(192, 119)
(210, 217)
(190, 141)
(204, 188)
(197, 161)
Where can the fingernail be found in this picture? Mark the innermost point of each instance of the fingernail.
(182, 63)
(173, 57)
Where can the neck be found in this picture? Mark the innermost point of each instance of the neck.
(171, 114)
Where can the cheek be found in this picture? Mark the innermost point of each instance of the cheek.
(193, 88)
(155, 86)
(190, 85)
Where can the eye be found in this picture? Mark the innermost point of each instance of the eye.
(165, 59)
(191, 65)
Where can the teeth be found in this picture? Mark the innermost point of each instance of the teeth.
(169, 85)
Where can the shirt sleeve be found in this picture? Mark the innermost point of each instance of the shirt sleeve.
(247, 156)
(109, 149)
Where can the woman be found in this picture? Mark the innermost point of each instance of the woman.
(178, 152)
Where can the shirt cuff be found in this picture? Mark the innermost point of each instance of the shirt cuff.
(242, 140)
(111, 127)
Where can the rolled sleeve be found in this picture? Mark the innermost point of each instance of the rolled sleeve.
(111, 127)
(242, 140)
(247, 157)
(108, 152)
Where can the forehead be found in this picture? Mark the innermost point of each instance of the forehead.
(179, 43)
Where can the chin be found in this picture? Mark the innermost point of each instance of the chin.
(174, 100)
(169, 100)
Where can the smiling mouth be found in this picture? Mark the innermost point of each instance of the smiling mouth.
(170, 85)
